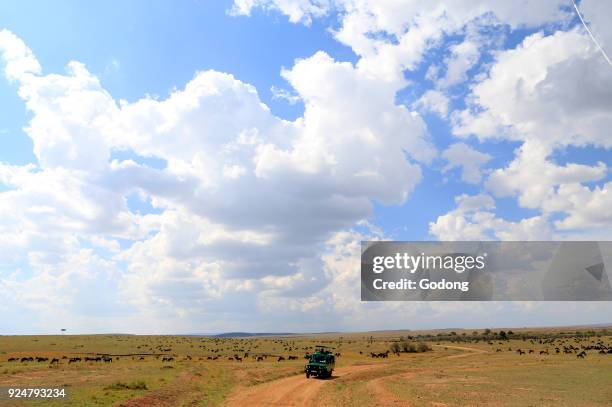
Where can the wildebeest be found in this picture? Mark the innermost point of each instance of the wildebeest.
(167, 359)
(74, 360)
(280, 359)
(107, 359)
(581, 355)
(39, 359)
(260, 358)
(54, 361)
(292, 357)
(12, 360)
(27, 359)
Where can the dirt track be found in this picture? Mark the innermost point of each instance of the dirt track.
(290, 391)
(469, 351)
(299, 391)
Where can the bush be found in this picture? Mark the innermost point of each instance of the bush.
(140, 385)
(422, 347)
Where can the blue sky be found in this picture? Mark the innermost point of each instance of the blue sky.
(151, 178)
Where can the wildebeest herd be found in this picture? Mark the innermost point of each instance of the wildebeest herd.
(288, 349)
(558, 346)
(215, 347)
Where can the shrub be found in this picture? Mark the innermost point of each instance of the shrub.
(422, 347)
(139, 385)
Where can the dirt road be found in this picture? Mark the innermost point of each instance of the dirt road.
(290, 391)
(469, 351)
(299, 391)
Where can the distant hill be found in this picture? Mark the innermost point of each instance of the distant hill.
(244, 334)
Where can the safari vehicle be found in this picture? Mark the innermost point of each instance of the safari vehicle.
(321, 363)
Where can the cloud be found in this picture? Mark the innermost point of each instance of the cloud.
(255, 215)
(246, 201)
(297, 10)
(555, 89)
(18, 58)
(460, 155)
(433, 101)
(473, 219)
(278, 93)
(463, 57)
(391, 37)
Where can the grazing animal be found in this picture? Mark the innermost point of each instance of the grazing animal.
(292, 357)
(259, 358)
(107, 359)
(168, 359)
(27, 359)
(581, 355)
(74, 360)
(54, 361)
(280, 359)
(39, 359)
(12, 360)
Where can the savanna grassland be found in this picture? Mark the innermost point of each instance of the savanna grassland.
(521, 367)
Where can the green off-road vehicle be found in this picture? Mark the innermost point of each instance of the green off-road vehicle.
(321, 363)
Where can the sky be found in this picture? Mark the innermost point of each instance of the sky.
(212, 166)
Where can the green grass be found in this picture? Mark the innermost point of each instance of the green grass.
(446, 375)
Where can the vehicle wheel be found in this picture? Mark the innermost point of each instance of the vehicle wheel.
(308, 375)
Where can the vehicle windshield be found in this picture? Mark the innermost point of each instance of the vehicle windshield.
(318, 358)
